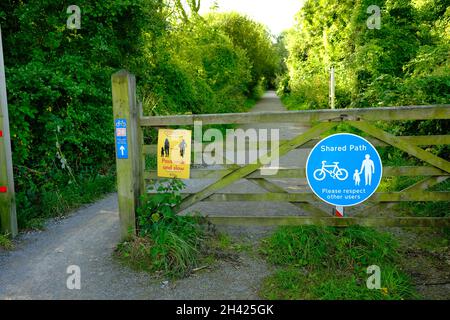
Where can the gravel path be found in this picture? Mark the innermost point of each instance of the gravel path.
(37, 268)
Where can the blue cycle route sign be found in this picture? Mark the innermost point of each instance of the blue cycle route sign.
(344, 170)
(121, 138)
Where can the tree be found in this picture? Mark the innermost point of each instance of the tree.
(254, 39)
(194, 8)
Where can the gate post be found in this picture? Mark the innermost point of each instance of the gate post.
(128, 150)
(8, 216)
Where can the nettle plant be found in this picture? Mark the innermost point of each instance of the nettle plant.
(158, 209)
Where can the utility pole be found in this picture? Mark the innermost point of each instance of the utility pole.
(8, 216)
(332, 89)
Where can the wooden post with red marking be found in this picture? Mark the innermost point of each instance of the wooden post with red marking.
(8, 218)
(340, 212)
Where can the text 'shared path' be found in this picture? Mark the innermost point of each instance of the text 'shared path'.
(3, 189)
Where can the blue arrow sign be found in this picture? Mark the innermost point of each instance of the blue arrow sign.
(121, 138)
(344, 170)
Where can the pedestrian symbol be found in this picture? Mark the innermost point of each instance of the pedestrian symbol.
(369, 168)
(344, 170)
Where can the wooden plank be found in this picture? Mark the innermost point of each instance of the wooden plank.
(307, 197)
(425, 184)
(426, 140)
(306, 116)
(404, 146)
(419, 186)
(329, 221)
(140, 154)
(272, 187)
(412, 171)
(246, 170)
(128, 170)
(414, 140)
(299, 173)
(8, 216)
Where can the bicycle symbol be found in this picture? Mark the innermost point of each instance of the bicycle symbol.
(121, 124)
(335, 173)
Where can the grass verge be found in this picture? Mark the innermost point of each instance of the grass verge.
(60, 200)
(331, 263)
(171, 249)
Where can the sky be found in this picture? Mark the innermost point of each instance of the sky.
(278, 15)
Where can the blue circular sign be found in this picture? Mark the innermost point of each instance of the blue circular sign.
(344, 169)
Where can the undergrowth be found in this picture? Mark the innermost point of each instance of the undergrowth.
(60, 200)
(167, 244)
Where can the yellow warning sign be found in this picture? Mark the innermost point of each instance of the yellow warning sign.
(174, 153)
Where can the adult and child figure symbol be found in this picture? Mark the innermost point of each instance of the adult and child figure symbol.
(165, 151)
(368, 167)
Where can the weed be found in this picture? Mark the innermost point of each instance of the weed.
(167, 244)
(298, 246)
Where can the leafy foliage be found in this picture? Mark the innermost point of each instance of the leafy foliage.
(254, 39)
(157, 209)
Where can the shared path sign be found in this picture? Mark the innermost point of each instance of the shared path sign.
(344, 170)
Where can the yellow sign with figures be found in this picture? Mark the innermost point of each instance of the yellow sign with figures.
(174, 153)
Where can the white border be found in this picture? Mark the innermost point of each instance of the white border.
(334, 204)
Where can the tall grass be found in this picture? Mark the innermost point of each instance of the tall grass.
(171, 250)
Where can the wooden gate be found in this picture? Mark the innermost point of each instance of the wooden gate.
(132, 177)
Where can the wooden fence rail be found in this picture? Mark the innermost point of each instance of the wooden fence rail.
(413, 140)
(307, 116)
(300, 173)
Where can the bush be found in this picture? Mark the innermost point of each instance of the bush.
(255, 41)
